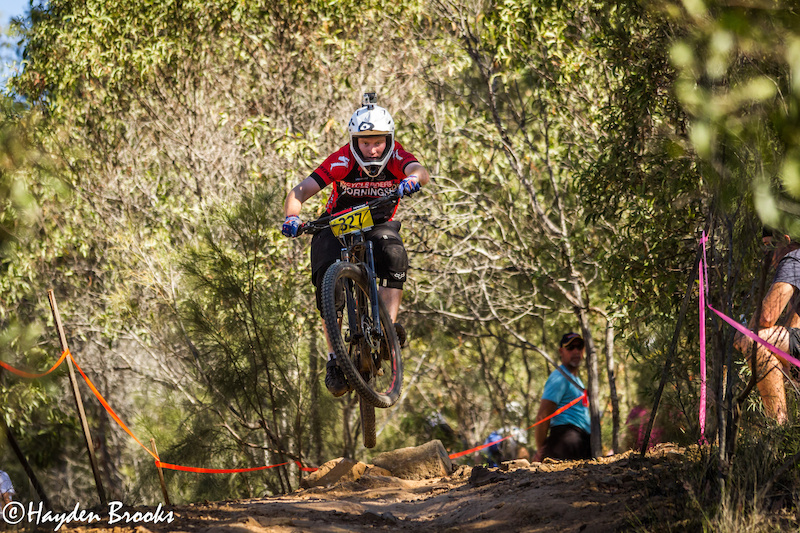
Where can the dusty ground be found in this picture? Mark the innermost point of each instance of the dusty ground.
(619, 493)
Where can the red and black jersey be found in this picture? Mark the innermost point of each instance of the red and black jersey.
(351, 186)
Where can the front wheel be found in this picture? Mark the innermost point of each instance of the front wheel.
(371, 362)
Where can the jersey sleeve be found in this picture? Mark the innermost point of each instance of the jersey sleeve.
(334, 168)
(400, 160)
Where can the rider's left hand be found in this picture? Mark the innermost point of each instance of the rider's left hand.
(407, 186)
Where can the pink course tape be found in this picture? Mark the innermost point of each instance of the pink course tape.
(746, 332)
(703, 344)
(738, 327)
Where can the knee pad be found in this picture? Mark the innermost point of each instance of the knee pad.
(391, 263)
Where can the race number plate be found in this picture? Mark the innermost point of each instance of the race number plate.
(359, 219)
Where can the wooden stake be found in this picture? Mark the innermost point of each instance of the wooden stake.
(77, 394)
(160, 474)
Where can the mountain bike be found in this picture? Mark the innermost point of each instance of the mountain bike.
(359, 327)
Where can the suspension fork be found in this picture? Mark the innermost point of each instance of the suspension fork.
(350, 303)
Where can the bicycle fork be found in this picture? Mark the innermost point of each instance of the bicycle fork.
(373, 287)
(351, 305)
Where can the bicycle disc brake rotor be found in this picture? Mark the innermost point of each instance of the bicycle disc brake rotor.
(369, 333)
(370, 346)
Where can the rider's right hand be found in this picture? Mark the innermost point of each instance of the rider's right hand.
(408, 186)
(290, 226)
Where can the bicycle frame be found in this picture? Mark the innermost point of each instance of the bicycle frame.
(357, 249)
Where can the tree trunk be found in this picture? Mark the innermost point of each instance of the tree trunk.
(593, 382)
(672, 348)
(25, 465)
(612, 385)
(316, 421)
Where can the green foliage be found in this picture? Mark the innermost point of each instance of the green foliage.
(745, 495)
(154, 114)
(736, 65)
(510, 259)
(578, 151)
(30, 408)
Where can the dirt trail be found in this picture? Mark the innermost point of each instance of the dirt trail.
(618, 493)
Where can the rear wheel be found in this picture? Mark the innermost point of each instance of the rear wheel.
(370, 361)
(367, 423)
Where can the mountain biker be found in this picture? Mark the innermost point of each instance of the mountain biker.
(371, 165)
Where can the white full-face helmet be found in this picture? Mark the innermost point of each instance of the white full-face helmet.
(370, 121)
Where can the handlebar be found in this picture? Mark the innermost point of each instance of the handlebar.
(315, 226)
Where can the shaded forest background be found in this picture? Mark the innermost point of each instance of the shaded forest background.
(578, 151)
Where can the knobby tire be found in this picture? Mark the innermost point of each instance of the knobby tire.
(378, 391)
(367, 423)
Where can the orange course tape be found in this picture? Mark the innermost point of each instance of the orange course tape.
(158, 461)
(560, 410)
(109, 409)
(214, 470)
(24, 374)
(482, 446)
(477, 448)
(305, 468)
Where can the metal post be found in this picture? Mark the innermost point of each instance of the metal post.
(77, 393)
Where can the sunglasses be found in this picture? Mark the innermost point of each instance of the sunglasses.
(574, 346)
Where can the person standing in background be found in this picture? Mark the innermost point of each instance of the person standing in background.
(569, 432)
(778, 324)
(6, 488)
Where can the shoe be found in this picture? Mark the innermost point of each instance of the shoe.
(335, 380)
(401, 334)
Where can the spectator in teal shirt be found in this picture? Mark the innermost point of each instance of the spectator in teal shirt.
(568, 431)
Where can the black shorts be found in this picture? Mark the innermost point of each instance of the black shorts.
(568, 442)
(391, 259)
(794, 342)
